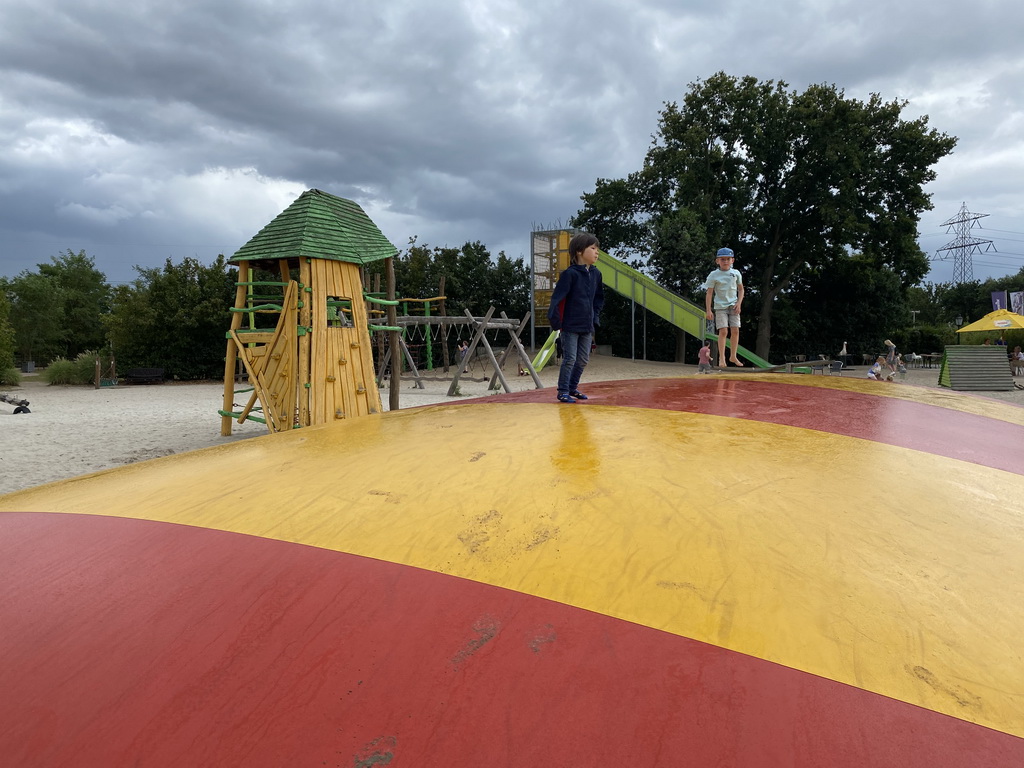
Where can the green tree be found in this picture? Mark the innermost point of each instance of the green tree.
(174, 318)
(36, 316)
(6, 331)
(793, 182)
(473, 279)
(923, 301)
(84, 300)
(58, 310)
(942, 303)
(510, 286)
(862, 318)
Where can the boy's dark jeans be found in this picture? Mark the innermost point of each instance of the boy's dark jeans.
(575, 356)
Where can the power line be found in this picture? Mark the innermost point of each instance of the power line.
(1006, 231)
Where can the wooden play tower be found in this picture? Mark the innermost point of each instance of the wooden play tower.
(300, 324)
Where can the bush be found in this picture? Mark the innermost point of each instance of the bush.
(10, 377)
(59, 371)
(85, 367)
(81, 370)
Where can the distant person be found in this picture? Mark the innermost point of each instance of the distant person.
(987, 342)
(575, 309)
(891, 356)
(704, 357)
(1001, 341)
(1017, 361)
(879, 371)
(725, 297)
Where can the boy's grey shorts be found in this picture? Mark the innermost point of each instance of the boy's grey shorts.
(725, 319)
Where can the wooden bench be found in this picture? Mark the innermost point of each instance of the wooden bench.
(144, 376)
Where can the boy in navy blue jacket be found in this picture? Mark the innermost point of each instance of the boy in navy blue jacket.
(575, 306)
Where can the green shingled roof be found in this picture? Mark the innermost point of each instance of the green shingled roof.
(319, 226)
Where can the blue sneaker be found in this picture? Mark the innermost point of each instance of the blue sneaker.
(566, 399)
(578, 395)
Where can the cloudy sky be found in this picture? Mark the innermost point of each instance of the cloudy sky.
(151, 130)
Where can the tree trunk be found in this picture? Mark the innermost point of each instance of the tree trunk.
(762, 345)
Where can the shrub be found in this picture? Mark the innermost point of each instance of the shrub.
(10, 377)
(59, 371)
(85, 367)
(81, 370)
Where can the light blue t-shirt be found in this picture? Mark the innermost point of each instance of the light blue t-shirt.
(726, 286)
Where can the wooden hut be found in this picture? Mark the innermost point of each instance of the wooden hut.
(300, 325)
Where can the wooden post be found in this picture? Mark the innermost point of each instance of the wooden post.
(231, 355)
(305, 358)
(481, 327)
(484, 326)
(516, 343)
(396, 360)
(378, 335)
(412, 363)
(444, 325)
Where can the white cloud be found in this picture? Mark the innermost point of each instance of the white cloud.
(155, 129)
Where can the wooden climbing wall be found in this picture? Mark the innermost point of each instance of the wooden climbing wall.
(269, 359)
(341, 379)
(316, 366)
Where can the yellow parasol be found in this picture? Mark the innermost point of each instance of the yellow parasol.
(1000, 320)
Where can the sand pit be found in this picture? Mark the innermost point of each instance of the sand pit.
(77, 430)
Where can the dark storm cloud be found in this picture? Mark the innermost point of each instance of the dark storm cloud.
(142, 131)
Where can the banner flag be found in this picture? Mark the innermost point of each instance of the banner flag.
(1017, 302)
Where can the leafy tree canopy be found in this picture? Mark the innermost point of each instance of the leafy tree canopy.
(6, 332)
(792, 182)
(174, 318)
(58, 309)
(85, 298)
(473, 280)
(37, 316)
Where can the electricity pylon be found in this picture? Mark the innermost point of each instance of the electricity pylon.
(964, 246)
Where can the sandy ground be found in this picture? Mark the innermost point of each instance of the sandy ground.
(75, 430)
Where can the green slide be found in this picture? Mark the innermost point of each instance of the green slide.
(546, 353)
(628, 282)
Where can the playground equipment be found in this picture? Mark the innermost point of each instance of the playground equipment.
(509, 582)
(479, 327)
(20, 405)
(550, 257)
(975, 368)
(314, 364)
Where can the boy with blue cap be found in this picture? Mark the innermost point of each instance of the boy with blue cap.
(725, 297)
